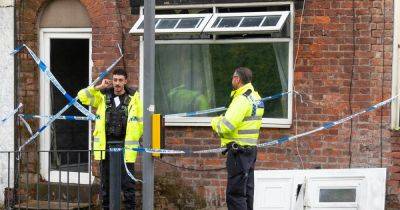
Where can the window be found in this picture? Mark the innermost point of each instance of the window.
(337, 195)
(193, 69)
(188, 23)
(256, 22)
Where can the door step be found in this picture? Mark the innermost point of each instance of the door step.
(35, 204)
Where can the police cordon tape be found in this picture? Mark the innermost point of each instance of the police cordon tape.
(281, 140)
(27, 126)
(72, 101)
(62, 117)
(43, 67)
(221, 109)
(186, 114)
(118, 149)
(9, 115)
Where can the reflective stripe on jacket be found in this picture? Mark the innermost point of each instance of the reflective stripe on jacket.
(134, 128)
(242, 121)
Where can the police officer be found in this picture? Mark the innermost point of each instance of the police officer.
(119, 112)
(182, 99)
(239, 131)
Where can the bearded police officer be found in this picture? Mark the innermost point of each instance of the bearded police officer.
(119, 122)
(239, 131)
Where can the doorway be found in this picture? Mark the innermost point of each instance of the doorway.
(68, 53)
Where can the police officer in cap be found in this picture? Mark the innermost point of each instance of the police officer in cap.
(119, 123)
(239, 131)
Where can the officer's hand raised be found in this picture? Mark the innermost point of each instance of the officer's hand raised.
(104, 84)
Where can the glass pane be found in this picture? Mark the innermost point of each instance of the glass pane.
(337, 195)
(188, 23)
(271, 20)
(228, 22)
(251, 21)
(216, 22)
(142, 23)
(167, 23)
(197, 77)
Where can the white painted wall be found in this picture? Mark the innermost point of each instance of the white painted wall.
(6, 90)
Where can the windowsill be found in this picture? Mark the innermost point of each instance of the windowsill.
(205, 122)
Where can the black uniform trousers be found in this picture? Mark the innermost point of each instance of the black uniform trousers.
(127, 184)
(240, 189)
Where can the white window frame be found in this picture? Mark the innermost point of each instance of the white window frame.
(46, 34)
(316, 184)
(238, 29)
(395, 107)
(206, 121)
(198, 29)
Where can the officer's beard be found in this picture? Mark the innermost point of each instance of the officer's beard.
(119, 90)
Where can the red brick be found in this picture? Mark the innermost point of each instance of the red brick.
(323, 69)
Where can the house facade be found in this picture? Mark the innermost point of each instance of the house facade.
(339, 56)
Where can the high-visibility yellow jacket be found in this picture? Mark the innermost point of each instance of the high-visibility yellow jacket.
(134, 127)
(184, 100)
(242, 121)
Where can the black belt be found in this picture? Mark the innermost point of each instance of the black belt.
(115, 143)
(236, 148)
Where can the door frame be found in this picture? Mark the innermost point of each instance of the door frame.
(46, 34)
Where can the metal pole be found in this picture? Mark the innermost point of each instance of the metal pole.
(148, 103)
(115, 177)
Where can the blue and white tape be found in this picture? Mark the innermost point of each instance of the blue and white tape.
(281, 140)
(62, 117)
(186, 114)
(9, 115)
(56, 116)
(221, 109)
(128, 171)
(27, 126)
(41, 129)
(43, 67)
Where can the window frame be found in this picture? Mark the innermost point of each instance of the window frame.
(206, 17)
(206, 121)
(278, 27)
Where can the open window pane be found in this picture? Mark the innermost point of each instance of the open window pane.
(186, 23)
(254, 22)
(228, 22)
(167, 23)
(192, 77)
(189, 23)
(141, 26)
(271, 20)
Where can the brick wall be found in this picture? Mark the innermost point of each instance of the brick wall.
(106, 33)
(336, 66)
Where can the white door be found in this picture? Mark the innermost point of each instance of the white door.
(325, 189)
(276, 191)
(67, 51)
